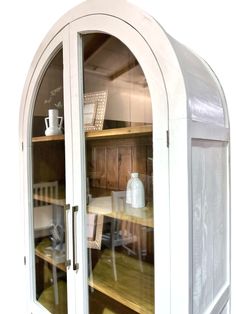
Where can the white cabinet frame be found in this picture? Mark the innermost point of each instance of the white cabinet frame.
(173, 131)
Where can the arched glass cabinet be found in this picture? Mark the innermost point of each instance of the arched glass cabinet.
(125, 170)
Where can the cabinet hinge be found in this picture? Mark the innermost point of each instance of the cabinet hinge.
(167, 138)
(24, 260)
(68, 263)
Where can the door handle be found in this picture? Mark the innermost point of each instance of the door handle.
(66, 212)
(74, 235)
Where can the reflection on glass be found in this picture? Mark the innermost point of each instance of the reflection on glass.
(48, 189)
(120, 223)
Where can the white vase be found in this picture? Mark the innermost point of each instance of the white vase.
(53, 123)
(137, 192)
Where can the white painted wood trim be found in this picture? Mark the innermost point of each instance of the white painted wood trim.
(179, 216)
(69, 165)
(79, 177)
(200, 130)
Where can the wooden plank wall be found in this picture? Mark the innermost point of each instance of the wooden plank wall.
(48, 162)
(111, 161)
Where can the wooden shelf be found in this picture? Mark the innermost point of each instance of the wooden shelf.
(134, 288)
(49, 259)
(120, 132)
(51, 138)
(108, 133)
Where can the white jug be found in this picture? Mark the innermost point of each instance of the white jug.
(53, 123)
(135, 192)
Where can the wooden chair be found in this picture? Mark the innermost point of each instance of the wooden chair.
(122, 233)
(94, 239)
(44, 193)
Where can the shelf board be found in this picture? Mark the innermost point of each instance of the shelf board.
(50, 138)
(50, 260)
(107, 133)
(134, 288)
(120, 132)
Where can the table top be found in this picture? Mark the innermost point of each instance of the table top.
(104, 206)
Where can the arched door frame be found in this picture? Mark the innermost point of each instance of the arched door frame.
(147, 60)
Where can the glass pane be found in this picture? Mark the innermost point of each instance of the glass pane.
(210, 235)
(48, 168)
(119, 151)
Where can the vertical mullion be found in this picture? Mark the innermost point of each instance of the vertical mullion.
(79, 176)
(68, 162)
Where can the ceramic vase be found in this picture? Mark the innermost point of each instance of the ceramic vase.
(135, 195)
(53, 123)
(128, 191)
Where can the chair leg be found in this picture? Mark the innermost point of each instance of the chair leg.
(90, 269)
(113, 252)
(114, 263)
(144, 241)
(55, 285)
(139, 247)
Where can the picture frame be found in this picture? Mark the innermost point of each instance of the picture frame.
(94, 110)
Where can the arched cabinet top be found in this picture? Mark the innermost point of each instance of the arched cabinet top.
(205, 98)
(192, 90)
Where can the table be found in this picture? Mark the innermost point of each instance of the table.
(103, 206)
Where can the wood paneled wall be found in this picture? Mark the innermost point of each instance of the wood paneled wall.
(48, 162)
(110, 162)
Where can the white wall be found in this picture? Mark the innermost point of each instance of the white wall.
(207, 27)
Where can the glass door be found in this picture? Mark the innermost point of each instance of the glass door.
(48, 190)
(117, 116)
